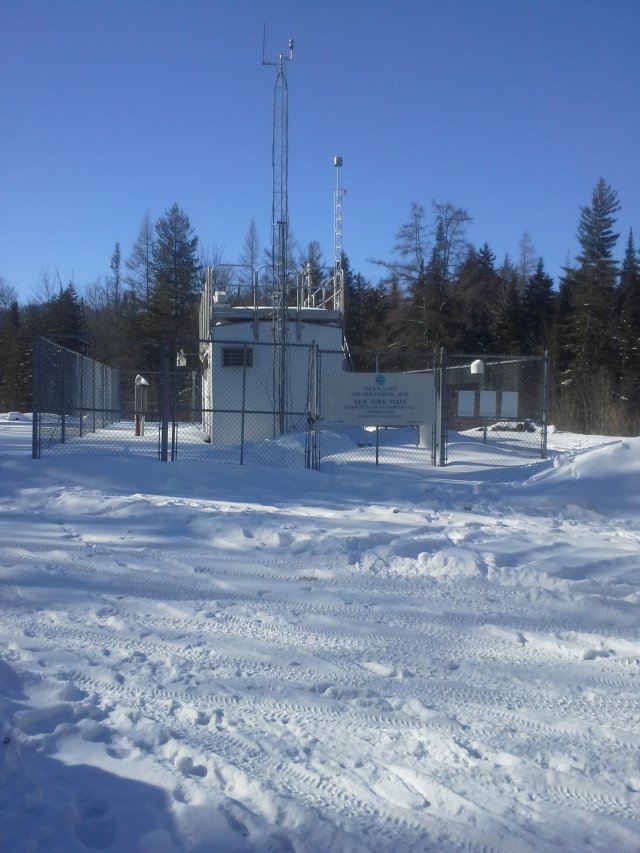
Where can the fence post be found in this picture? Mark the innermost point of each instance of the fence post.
(377, 427)
(545, 395)
(442, 413)
(64, 397)
(103, 382)
(93, 394)
(81, 391)
(244, 398)
(174, 402)
(317, 401)
(164, 404)
(35, 397)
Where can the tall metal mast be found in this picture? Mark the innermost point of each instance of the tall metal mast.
(280, 218)
(338, 272)
(337, 216)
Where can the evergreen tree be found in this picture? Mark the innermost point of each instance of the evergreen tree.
(137, 309)
(392, 329)
(429, 295)
(63, 319)
(365, 312)
(538, 310)
(427, 312)
(476, 294)
(628, 313)
(9, 355)
(507, 329)
(175, 291)
(16, 346)
(450, 237)
(590, 352)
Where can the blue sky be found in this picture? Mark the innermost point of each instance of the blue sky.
(511, 109)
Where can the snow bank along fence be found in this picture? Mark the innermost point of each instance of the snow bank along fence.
(296, 405)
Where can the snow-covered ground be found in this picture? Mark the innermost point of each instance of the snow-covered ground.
(224, 658)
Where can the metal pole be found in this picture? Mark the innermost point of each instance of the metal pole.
(93, 395)
(377, 427)
(81, 391)
(174, 407)
(64, 396)
(35, 398)
(318, 407)
(164, 404)
(545, 395)
(443, 408)
(242, 414)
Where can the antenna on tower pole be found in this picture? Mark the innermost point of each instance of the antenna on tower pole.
(280, 213)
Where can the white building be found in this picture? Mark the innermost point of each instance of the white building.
(262, 367)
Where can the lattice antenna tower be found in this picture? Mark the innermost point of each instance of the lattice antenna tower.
(337, 216)
(280, 167)
(280, 212)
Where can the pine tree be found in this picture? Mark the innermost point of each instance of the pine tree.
(590, 352)
(63, 319)
(16, 344)
(628, 313)
(538, 310)
(476, 292)
(366, 308)
(434, 298)
(450, 237)
(139, 278)
(9, 327)
(506, 325)
(176, 276)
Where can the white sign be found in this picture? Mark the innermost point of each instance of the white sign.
(378, 399)
(509, 404)
(466, 404)
(487, 404)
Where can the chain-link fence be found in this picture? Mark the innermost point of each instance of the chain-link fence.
(259, 403)
(73, 396)
(493, 407)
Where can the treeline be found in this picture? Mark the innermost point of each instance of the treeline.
(437, 290)
(154, 292)
(440, 291)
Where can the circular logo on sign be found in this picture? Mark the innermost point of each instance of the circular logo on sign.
(380, 380)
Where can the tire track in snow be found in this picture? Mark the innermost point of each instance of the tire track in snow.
(237, 734)
(464, 698)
